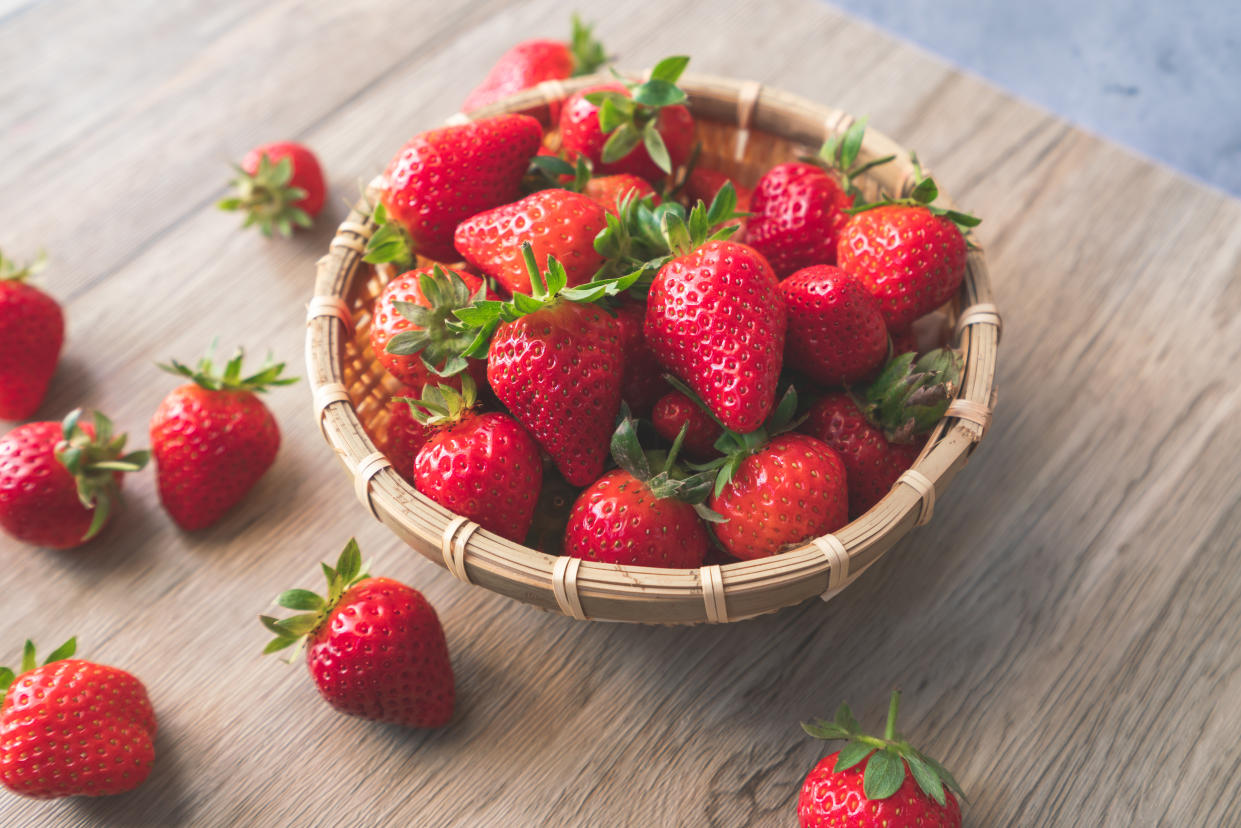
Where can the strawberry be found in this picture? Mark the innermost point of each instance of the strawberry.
(645, 513)
(405, 435)
(32, 331)
(611, 190)
(481, 465)
(642, 381)
(907, 252)
(410, 335)
(73, 728)
(554, 360)
(836, 332)
(704, 184)
(279, 187)
(444, 176)
(642, 129)
(898, 786)
(556, 222)
(213, 439)
(374, 647)
(531, 62)
(59, 482)
(675, 411)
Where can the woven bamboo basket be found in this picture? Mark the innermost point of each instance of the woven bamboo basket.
(745, 128)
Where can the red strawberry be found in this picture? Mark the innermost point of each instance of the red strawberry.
(405, 435)
(375, 647)
(715, 318)
(643, 130)
(836, 333)
(704, 184)
(442, 177)
(59, 482)
(73, 728)
(213, 439)
(908, 253)
(675, 411)
(279, 187)
(32, 330)
(557, 223)
(643, 513)
(876, 782)
(531, 62)
(610, 190)
(642, 381)
(409, 332)
(480, 465)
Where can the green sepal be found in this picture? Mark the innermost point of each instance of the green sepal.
(588, 53)
(231, 378)
(267, 198)
(300, 599)
(11, 271)
(884, 774)
(851, 754)
(30, 661)
(659, 471)
(443, 405)
(629, 120)
(391, 241)
(839, 154)
(294, 629)
(909, 397)
(94, 462)
(6, 680)
(923, 194)
(926, 777)
(437, 338)
(620, 143)
(63, 652)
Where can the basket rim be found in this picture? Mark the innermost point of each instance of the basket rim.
(598, 591)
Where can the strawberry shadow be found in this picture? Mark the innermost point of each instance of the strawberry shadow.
(159, 801)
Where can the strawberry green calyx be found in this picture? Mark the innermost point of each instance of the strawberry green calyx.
(659, 471)
(924, 193)
(11, 271)
(443, 405)
(391, 243)
(633, 120)
(94, 460)
(268, 198)
(546, 172)
(231, 378)
(314, 608)
(888, 757)
(588, 53)
(29, 662)
(440, 345)
(839, 154)
(908, 397)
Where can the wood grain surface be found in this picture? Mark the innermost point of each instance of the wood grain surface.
(1066, 629)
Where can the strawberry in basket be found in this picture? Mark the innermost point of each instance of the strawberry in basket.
(836, 332)
(32, 331)
(675, 412)
(610, 191)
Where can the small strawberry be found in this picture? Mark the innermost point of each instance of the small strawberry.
(73, 728)
(213, 438)
(442, 177)
(907, 252)
(704, 184)
(646, 513)
(612, 190)
(675, 411)
(374, 647)
(32, 331)
(59, 482)
(279, 187)
(531, 62)
(556, 222)
(405, 436)
(481, 465)
(410, 335)
(836, 333)
(643, 129)
(642, 380)
(898, 786)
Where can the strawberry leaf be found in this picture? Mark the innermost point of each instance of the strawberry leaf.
(349, 564)
(884, 774)
(658, 92)
(300, 599)
(6, 680)
(670, 68)
(656, 148)
(926, 777)
(821, 729)
(588, 53)
(28, 657)
(845, 719)
(850, 755)
(620, 143)
(62, 652)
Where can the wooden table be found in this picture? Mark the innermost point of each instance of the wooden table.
(1066, 629)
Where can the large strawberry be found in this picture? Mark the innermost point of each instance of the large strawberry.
(213, 438)
(836, 332)
(556, 223)
(482, 465)
(442, 177)
(675, 411)
(554, 360)
(531, 62)
(909, 253)
(279, 187)
(32, 330)
(73, 728)
(873, 781)
(642, 382)
(60, 482)
(643, 129)
(374, 647)
(645, 513)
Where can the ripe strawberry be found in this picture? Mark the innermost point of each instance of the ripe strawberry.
(531, 62)
(908, 253)
(646, 513)
(480, 465)
(836, 333)
(897, 787)
(704, 184)
(279, 187)
(642, 380)
(641, 129)
(675, 411)
(73, 728)
(32, 330)
(60, 481)
(409, 325)
(610, 191)
(405, 435)
(442, 177)
(554, 360)
(557, 223)
(375, 647)
(213, 439)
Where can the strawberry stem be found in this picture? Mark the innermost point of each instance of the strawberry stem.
(889, 730)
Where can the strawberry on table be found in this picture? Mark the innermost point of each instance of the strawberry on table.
(60, 482)
(531, 62)
(374, 647)
(73, 728)
(279, 187)
(675, 411)
(875, 781)
(213, 438)
(32, 331)
(836, 331)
